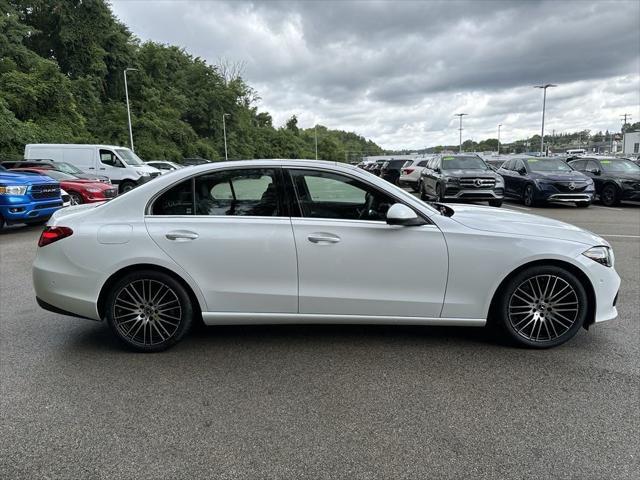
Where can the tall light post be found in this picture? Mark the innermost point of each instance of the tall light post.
(224, 132)
(126, 94)
(315, 130)
(500, 125)
(544, 102)
(460, 115)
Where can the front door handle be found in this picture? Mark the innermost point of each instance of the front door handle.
(181, 235)
(321, 237)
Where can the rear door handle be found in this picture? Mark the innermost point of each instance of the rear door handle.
(181, 235)
(321, 237)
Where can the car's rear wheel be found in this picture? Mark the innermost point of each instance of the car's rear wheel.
(609, 195)
(543, 306)
(149, 311)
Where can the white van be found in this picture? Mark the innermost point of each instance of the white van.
(123, 167)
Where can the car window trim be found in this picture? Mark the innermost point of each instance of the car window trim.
(279, 188)
(296, 199)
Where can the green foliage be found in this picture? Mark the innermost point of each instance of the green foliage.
(61, 80)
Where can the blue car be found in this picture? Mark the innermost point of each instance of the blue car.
(27, 198)
(539, 180)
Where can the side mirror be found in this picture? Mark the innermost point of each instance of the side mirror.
(522, 171)
(437, 170)
(400, 214)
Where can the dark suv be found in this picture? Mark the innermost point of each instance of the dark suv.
(541, 179)
(460, 177)
(616, 179)
(390, 170)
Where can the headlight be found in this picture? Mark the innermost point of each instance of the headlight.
(13, 190)
(603, 255)
(499, 182)
(144, 174)
(451, 180)
(93, 190)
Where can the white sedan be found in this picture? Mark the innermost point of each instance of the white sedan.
(299, 241)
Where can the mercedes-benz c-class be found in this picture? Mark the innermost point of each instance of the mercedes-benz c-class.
(298, 241)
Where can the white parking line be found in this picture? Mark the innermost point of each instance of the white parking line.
(515, 206)
(620, 236)
(606, 208)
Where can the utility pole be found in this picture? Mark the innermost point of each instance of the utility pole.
(126, 94)
(500, 125)
(624, 124)
(315, 129)
(224, 132)
(544, 102)
(460, 115)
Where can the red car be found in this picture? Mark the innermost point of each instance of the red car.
(79, 189)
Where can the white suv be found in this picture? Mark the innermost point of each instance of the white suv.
(410, 174)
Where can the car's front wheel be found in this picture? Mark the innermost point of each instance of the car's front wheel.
(148, 311)
(421, 189)
(610, 196)
(76, 198)
(542, 306)
(528, 196)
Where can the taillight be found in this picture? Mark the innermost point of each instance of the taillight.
(53, 234)
(408, 171)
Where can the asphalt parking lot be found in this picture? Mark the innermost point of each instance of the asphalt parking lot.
(320, 402)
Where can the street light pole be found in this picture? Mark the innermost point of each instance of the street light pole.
(544, 102)
(315, 129)
(460, 115)
(224, 131)
(500, 125)
(126, 94)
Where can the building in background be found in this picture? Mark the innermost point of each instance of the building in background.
(631, 143)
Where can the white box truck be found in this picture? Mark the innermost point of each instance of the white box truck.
(123, 167)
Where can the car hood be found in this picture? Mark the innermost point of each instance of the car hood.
(462, 173)
(625, 176)
(90, 176)
(573, 176)
(15, 178)
(146, 168)
(502, 220)
(83, 183)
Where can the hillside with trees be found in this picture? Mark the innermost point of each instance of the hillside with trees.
(61, 81)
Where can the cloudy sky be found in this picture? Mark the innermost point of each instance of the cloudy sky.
(397, 71)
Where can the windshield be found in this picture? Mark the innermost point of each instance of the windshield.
(67, 168)
(468, 162)
(619, 166)
(129, 157)
(548, 165)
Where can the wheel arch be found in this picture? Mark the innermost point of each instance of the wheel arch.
(580, 275)
(102, 297)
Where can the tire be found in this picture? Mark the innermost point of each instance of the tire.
(495, 203)
(542, 307)
(609, 195)
(76, 198)
(423, 194)
(582, 204)
(126, 186)
(439, 193)
(527, 196)
(134, 316)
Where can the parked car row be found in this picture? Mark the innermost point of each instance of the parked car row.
(532, 180)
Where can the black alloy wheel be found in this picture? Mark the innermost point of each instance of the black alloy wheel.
(543, 306)
(527, 196)
(610, 196)
(148, 311)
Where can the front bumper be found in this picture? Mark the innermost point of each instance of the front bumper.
(454, 193)
(570, 197)
(19, 211)
(606, 284)
(630, 194)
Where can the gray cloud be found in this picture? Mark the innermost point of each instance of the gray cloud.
(397, 71)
